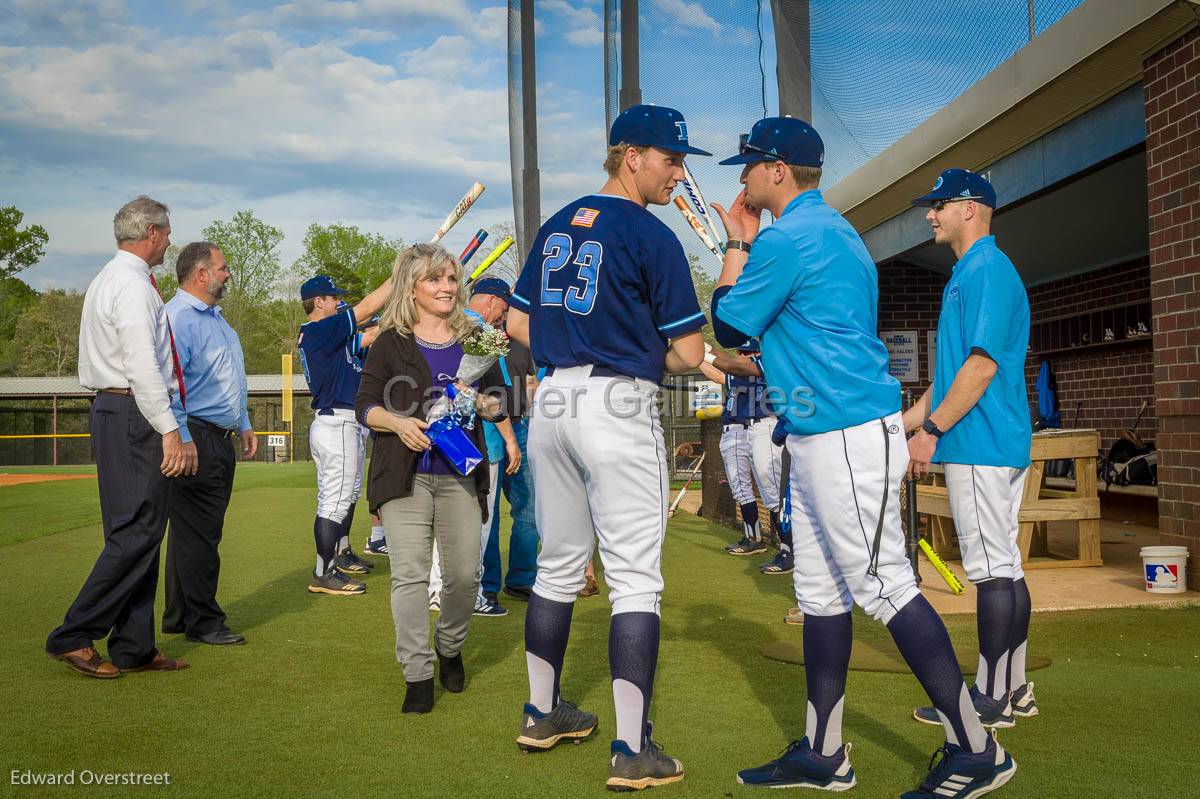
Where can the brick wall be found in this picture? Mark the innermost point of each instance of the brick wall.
(1111, 381)
(910, 298)
(1172, 94)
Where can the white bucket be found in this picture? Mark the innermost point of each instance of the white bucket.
(1166, 569)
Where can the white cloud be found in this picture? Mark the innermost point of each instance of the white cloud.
(348, 11)
(448, 59)
(585, 28)
(363, 36)
(64, 22)
(688, 15)
(586, 37)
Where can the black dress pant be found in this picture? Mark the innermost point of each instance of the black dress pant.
(197, 516)
(117, 599)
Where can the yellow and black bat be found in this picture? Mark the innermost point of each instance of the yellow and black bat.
(942, 568)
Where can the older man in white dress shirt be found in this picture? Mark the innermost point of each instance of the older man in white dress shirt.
(126, 354)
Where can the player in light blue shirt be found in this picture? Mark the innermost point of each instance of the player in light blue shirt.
(809, 290)
(975, 421)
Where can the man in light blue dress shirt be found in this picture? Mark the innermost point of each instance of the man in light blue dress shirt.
(210, 355)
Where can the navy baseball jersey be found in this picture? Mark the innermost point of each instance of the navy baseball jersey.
(606, 284)
(745, 397)
(329, 353)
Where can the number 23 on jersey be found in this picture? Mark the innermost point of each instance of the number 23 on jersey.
(578, 293)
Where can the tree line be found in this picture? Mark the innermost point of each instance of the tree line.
(39, 331)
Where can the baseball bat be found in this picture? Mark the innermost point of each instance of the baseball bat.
(472, 246)
(699, 203)
(459, 212)
(682, 491)
(504, 244)
(691, 219)
(941, 567)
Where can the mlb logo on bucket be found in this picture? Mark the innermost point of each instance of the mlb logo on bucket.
(1161, 574)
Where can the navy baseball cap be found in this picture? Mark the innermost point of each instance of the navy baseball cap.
(787, 139)
(749, 345)
(320, 286)
(493, 286)
(960, 184)
(652, 126)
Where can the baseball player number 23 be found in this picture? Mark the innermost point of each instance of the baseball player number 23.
(579, 298)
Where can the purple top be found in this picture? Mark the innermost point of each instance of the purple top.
(443, 360)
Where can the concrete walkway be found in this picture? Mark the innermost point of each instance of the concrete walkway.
(1118, 583)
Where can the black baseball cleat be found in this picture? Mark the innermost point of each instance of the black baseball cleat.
(747, 547)
(334, 582)
(781, 564)
(348, 563)
(649, 767)
(566, 722)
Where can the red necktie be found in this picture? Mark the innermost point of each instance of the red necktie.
(174, 354)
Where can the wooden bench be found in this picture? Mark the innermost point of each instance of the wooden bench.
(1040, 504)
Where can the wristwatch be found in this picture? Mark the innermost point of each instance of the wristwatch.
(932, 429)
(735, 244)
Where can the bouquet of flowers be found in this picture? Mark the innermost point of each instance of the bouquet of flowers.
(454, 411)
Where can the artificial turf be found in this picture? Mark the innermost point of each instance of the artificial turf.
(311, 707)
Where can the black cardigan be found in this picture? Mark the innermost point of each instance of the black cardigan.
(393, 464)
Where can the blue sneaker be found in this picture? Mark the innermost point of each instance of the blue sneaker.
(992, 712)
(801, 767)
(1023, 703)
(379, 547)
(962, 775)
(489, 608)
(782, 563)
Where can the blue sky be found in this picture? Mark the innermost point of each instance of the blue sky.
(377, 113)
(381, 113)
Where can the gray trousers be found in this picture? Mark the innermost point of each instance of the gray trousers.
(445, 507)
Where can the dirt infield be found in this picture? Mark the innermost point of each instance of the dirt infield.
(21, 479)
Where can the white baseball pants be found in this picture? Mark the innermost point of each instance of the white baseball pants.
(840, 482)
(747, 451)
(985, 502)
(599, 471)
(337, 447)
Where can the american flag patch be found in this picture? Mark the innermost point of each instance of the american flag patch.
(584, 217)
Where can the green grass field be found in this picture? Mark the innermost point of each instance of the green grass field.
(311, 707)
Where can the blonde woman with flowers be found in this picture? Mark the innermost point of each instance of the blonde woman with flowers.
(420, 393)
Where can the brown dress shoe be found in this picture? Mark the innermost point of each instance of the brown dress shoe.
(87, 661)
(591, 588)
(162, 663)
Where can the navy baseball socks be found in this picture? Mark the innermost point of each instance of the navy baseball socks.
(327, 579)
(995, 606)
(1023, 703)
(547, 719)
(751, 542)
(923, 642)
(637, 760)
(820, 759)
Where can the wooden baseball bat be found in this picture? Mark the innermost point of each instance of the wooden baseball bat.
(459, 212)
(691, 219)
(682, 491)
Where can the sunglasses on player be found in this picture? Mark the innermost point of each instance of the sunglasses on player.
(744, 146)
(938, 205)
